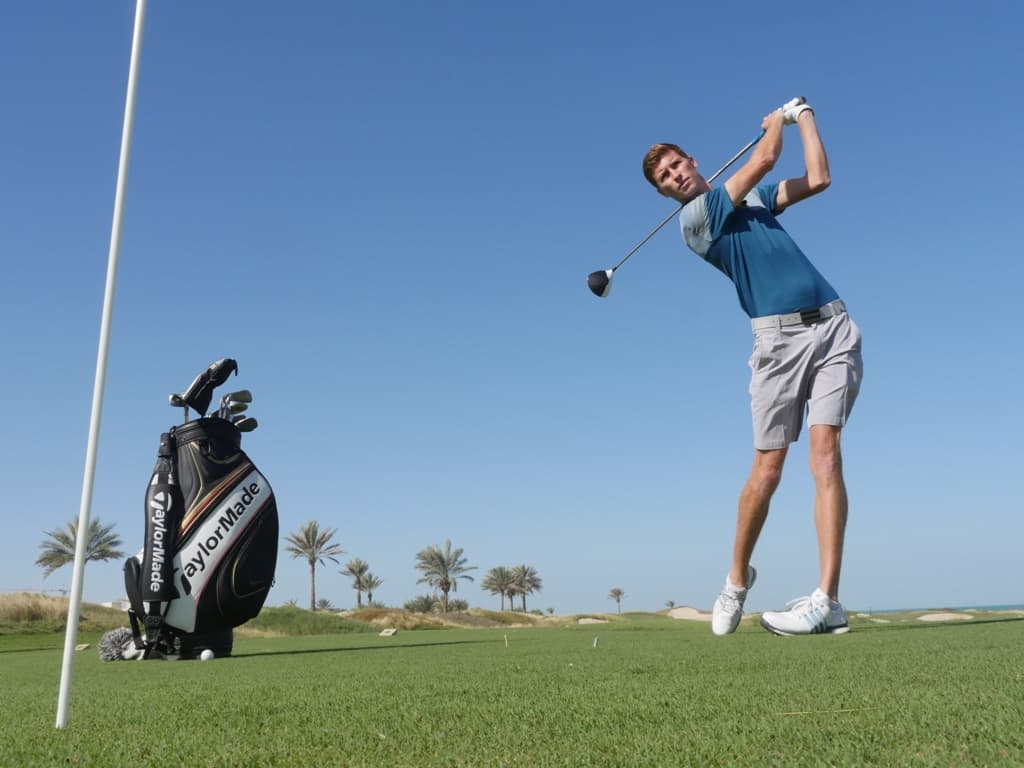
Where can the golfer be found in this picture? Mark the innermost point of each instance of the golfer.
(806, 357)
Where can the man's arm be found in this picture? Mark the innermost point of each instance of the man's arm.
(763, 159)
(816, 177)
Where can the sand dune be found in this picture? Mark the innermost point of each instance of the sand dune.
(686, 612)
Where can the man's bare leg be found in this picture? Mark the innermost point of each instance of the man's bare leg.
(830, 503)
(753, 509)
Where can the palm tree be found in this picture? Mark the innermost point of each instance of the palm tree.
(370, 583)
(316, 546)
(59, 549)
(527, 581)
(498, 581)
(617, 594)
(442, 569)
(357, 568)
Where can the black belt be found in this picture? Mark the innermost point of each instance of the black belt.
(803, 317)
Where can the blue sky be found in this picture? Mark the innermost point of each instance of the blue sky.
(386, 213)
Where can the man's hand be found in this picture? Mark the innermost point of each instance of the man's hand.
(778, 116)
(793, 108)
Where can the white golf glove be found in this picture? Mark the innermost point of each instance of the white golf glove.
(792, 109)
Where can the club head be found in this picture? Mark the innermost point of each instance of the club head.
(229, 409)
(246, 424)
(241, 396)
(600, 282)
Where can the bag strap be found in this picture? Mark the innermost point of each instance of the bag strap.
(154, 577)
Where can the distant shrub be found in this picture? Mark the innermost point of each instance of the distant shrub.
(31, 612)
(423, 604)
(25, 606)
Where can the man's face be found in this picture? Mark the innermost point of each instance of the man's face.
(676, 177)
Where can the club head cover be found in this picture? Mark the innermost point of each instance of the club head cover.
(200, 391)
(118, 644)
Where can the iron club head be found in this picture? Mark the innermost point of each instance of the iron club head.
(241, 396)
(600, 282)
(246, 424)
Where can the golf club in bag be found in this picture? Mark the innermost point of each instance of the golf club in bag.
(211, 531)
(600, 282)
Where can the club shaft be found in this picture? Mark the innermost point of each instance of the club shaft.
(674, 213)
(736, 157)
(650, 234)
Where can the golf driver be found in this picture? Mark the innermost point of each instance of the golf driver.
(600, 282)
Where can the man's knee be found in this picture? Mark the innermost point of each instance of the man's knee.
(825, 454)
(767, 471)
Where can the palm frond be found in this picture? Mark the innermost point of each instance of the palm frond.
(59, 549)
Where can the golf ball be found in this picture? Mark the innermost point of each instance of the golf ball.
(206, 655)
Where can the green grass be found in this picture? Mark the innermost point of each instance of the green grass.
(653, 692)
(289, 620)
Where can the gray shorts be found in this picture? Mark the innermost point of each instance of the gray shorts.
(812, 365)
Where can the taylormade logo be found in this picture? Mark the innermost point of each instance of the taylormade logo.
(210, 543)
(202, 550)
(159, 506)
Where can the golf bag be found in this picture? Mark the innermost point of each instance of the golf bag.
(211, 530)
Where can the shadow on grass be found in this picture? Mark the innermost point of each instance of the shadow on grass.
(34, 648)
(390, 647)
(918, 624)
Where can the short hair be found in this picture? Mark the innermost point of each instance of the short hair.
(653, 157)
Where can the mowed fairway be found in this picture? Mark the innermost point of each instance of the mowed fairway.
(652, 692)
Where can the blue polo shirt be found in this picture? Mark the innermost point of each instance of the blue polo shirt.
(746, 243)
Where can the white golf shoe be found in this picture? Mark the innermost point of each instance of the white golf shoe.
(815, 614)
(728, 608)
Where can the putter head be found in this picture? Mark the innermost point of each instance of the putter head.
(600, 282)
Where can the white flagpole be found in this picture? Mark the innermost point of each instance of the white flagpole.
(75, 604)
